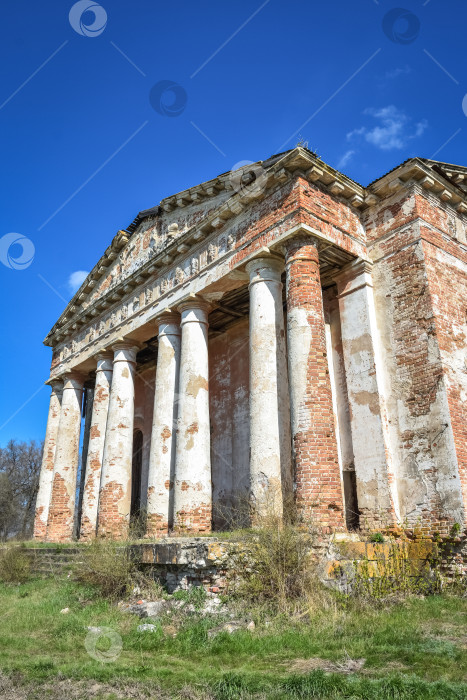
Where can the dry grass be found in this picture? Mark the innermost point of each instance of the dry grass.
(107, 566)
(15, 566)
(16, 688)
(273, 564)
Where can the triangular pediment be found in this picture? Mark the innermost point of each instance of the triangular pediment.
(161, 235)
(168, 230)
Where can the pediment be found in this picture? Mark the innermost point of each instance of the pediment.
(169, 230)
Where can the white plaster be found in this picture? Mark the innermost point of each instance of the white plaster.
(192, 487)
(48, 457)
(426, 473)
(299, 343)
(67, 457)
(166, 396)
(364, 392)
(97, 431)
(118, 448)
(270, 442)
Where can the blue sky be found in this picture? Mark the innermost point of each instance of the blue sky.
(141, 99)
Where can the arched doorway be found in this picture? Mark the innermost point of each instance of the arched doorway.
(136, 468)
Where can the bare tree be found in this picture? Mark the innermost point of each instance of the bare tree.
(20, 464)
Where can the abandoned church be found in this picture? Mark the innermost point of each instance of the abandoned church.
(277, 333)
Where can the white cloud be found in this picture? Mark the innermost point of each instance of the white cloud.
(393, 132)
(76, 279)
(345, 159)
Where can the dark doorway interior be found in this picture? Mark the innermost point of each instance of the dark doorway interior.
(136, 473)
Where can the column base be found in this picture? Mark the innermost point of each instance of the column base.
(328, 518)
(40, 528)
(88, 530)
(193, 520)
(156, 526)
(117, 530)
(61, 514)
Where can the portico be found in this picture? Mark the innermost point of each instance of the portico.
(233, 343)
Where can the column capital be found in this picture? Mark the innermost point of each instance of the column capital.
(194, 310)
(301, 247)
(353, 276)
(56, 385)
(103, 355)
(167, 319)
(266, 268)
(302, 238)
(104, 361)
(73, 380)
(125, 351)
(193, 302)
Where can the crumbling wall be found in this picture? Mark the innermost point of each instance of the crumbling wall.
(418, 414)
(341, 405)
(297, 202)
(447, 278)
(230, 423)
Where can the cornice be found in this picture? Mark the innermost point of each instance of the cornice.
(428, 176)
(274, 172)
(298, 162)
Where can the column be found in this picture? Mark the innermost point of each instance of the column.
(192, 487)
(98, 425)
(162, 454)
(62, 504)
(360, 349)
(88, 398)
(270, 442)
(48, 457)
(317, 473)
(113, 517)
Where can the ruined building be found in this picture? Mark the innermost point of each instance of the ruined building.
(279, 331)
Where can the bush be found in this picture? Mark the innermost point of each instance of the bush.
(376, 537)
(273, 563)
(107, 565)
(15, 566)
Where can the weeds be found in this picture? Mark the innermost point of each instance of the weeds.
(376, 537)
(273, 564)
(107, 566)
(14, 566)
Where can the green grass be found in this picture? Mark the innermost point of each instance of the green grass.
(416, 649)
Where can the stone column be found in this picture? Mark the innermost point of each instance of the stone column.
(270, 442)
(193, 487)
(95, 453)
(115, 490)
(162, 454)
(48, 457)
(362, 367)
(317, 472)
(62, 504)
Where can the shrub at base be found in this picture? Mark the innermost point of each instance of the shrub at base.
(14, 566)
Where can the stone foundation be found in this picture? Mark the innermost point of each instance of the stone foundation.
(182, 562)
